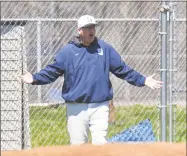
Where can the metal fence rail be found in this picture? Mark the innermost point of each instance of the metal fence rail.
(130, 27)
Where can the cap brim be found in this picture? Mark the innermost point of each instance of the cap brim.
(87, 25)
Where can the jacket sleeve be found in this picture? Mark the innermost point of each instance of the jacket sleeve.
(52, 71)
(123, 71)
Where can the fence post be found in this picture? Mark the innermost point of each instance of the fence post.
(171, 70)
(39, 57)
(163, 33)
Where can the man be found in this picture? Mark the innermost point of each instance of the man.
(85, 63)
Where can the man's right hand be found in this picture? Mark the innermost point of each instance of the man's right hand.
(27, 78)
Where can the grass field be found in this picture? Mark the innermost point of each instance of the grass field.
(48, 124)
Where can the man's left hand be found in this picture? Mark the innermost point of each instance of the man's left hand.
(152, 83)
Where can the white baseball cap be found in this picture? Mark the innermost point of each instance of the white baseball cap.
(86, 20)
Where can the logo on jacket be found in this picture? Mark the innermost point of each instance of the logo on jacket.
(100, 51)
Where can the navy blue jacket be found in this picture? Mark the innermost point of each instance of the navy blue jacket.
(86, 72)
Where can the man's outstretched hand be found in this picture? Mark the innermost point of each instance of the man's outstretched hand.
(27, 78)
(152, 83)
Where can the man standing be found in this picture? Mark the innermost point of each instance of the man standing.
(86, 63)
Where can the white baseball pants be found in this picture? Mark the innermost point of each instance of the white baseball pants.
(85, 117)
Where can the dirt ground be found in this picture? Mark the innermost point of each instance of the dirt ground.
(128, 149)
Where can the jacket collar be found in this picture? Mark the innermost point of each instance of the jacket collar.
(76, 41)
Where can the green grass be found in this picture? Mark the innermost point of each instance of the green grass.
(48, 124)
(181, 125)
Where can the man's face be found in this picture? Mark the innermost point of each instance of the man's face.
(87, 34)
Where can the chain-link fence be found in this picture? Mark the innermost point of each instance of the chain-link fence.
(179, 65)
(130, 27)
